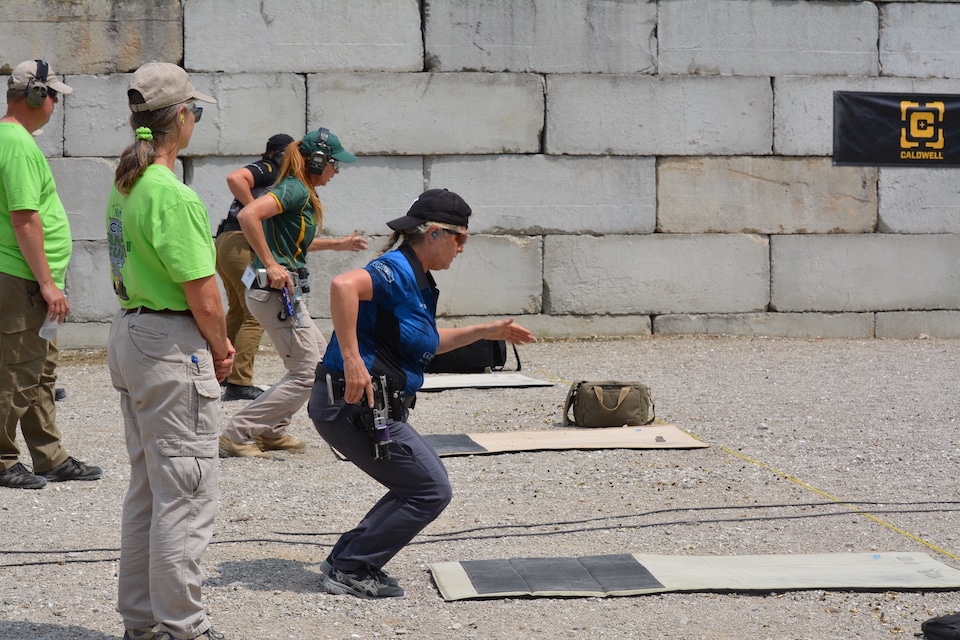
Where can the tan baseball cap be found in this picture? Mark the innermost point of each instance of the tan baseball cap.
(27, 71)
(156, 85)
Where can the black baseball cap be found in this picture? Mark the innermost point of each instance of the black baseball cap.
(434, 205)
(278, 142)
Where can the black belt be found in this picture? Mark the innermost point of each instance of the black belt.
(228, 224)
(336, 379)
(256, 285)
(184, 312)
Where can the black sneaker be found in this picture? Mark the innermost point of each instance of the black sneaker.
(326, 567)
(17, 477)
(241, 392)
(59, 394)
(72, 469)
(363, 583)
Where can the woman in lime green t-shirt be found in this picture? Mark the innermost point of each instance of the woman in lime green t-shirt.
(167, 348)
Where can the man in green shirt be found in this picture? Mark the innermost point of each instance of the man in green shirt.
(35, 246)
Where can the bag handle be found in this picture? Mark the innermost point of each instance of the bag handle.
(516, 354)
(623, 396)
(569, 402)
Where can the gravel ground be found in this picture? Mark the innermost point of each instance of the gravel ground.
(796, 429)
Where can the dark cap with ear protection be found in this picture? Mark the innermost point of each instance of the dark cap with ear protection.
(435, 205)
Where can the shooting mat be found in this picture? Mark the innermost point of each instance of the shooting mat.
(637, 574)
(439, 382)
(655, 436)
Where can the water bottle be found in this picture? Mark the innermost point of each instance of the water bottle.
(48, 330)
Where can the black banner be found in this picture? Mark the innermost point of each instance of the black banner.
(896, 129)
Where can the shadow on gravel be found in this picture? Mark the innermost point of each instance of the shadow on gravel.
(268, 574)
(37, 631)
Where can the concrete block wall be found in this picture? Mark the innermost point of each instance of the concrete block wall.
(634, 167)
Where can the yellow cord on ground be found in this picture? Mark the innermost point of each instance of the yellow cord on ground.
(857, 510)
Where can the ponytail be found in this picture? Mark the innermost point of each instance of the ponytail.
(152, 128)
(410, 236)
(294, 164)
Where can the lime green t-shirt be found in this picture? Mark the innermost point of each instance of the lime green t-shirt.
(158, 238)
(26, 184)
(290, 233)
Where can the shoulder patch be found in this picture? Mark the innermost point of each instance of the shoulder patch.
(384, 269)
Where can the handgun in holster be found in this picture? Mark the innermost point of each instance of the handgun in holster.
(291, 301)
(374, 419)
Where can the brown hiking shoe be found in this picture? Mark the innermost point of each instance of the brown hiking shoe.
(286, 442)
(231, 449)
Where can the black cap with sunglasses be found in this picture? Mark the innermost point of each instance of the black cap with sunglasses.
(434, 205)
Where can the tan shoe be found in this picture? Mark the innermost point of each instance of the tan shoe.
(231, 449)
(286, 442)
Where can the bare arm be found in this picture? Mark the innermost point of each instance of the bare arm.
(251, 219)
(203, 297)
(346, 292)
(240, 183)
(353, 242)
(28, 228)
(453, 338)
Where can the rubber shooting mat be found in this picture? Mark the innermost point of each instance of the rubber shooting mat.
(665, 436)
(439, 382)
(638, 574)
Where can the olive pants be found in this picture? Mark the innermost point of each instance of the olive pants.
(234, 255)
(28, 375)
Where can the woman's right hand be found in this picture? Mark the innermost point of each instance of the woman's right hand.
(278, 277)
(224, 366)
(357, 380)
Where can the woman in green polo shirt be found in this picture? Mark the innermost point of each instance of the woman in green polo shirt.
(281, 227)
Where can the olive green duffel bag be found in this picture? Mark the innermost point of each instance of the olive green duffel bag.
(609, 404)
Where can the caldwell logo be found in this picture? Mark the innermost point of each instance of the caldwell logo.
(921, 136)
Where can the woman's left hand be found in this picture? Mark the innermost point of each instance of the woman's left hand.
(353, 242)
(510, 331)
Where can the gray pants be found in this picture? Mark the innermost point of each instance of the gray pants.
(418, 488)
(170, 406)
(300, 349)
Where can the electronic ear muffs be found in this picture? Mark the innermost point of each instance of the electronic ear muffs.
(37, 85)
(320, 156)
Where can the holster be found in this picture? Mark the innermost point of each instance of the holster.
(390, 404)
